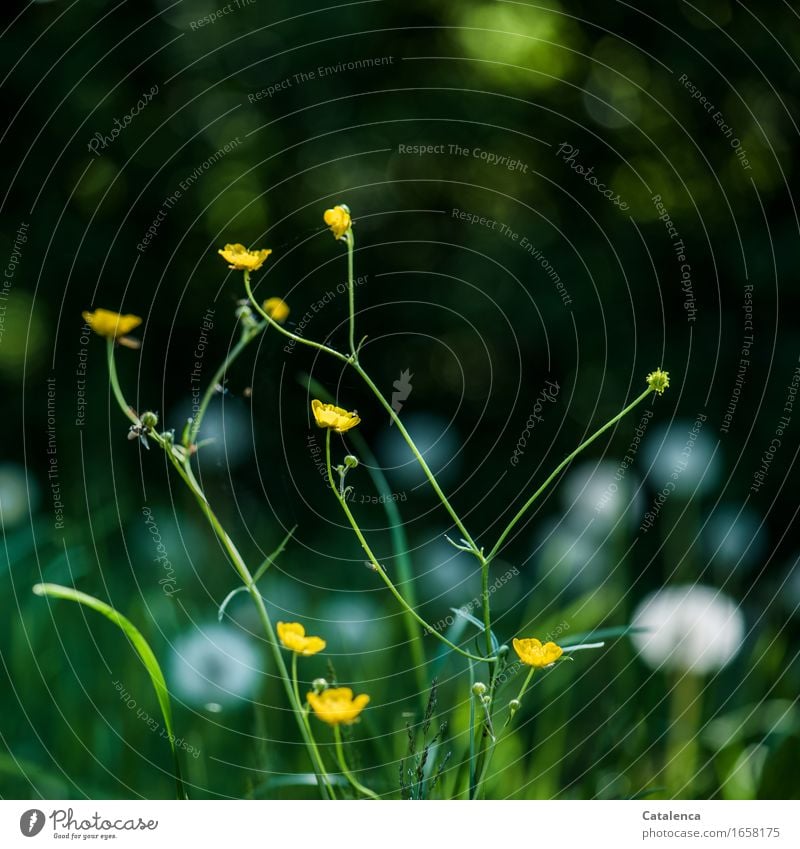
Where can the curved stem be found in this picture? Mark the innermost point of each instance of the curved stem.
(112, 373)
(353, 361)
(304, 715)
(559, 468)
(418, 456)
(377, 566)
(288, 333)
(487, 612)
(185, 471)
(405, 571)
(501, 733)
(294, 678)
(526, 683)
(248, 335)
(345, 771)
(351, 243)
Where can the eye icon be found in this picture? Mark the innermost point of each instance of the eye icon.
(31, 822)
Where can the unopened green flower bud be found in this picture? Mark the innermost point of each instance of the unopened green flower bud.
(478, 688)
(350, 461)
(514, 705)
(502, 651)
(245, 315)
(319, 684)
(149, 420)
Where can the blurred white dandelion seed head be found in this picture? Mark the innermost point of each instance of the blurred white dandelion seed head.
(566, 557)
(689, 628)
(595, 495)
(734, 538)
(19, 494)
(215, 664)
(681, 452)
(435, 438)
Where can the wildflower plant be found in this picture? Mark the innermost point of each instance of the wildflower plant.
(334, 708)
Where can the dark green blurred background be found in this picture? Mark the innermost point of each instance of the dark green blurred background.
(478, 320)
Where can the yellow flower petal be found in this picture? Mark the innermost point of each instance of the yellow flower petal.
(336, 706)
(333, 417)
(277, 309)
(293, 637)
(338, 219)
(111, 324)
(240, 259)
(533, 653)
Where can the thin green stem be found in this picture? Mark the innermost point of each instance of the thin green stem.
(353, 361)
(248, 334)
(493, 743)
(526, 683)
(377, 566)
(405, 570)
(560, 467)
(288, 333)
(357, 785)
(112, 373)
(418, 456)
(487, 614)
(351, 243)
(295, 683)
(306, 721)
(185, 471)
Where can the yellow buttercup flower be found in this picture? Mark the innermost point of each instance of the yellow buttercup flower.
(293, 637)
(658, 380)
(337, 706)
(111, 324)
(338, 219)
(239, 258)
(329, 415)
(277, 309)
(533, 653)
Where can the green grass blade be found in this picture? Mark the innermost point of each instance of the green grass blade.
(601, 634)
(140, 645)
(459, 611)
